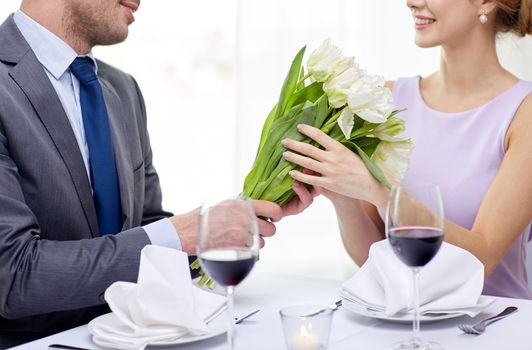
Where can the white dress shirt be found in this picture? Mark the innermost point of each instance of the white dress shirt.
(56, 56)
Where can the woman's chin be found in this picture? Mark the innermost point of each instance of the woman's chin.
(425, 43)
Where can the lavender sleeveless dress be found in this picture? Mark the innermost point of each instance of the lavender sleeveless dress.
(462, 152)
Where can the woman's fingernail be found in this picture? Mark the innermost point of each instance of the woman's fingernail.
(285, 154)
(284, 142)
(291, 173)
(299, 126)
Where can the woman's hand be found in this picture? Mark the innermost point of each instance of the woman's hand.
(317, 190)
(342, 171)
(301, 201)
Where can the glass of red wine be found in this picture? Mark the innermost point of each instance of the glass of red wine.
(414, 227)
(228, 246)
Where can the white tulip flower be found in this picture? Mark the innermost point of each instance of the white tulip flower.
(370, 100)
(326, 62)
(393, 158)
(346, 122)
(342, 65)
(390, 130)
(337, 89)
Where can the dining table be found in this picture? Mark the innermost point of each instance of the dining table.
(271, 291)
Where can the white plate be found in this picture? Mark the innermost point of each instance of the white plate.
(360, 309)
(216, 327)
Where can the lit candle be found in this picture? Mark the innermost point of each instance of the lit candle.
(305, 340)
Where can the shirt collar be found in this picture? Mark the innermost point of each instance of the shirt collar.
(53, 53)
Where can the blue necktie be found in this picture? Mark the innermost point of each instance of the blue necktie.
(103, 173)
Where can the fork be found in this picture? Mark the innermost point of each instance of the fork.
(239, 320)
(480, 327)
(333, 307)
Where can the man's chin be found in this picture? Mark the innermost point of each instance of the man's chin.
(115, 38)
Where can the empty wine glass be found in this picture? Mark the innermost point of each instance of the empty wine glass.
(227, 246)
(414, 227)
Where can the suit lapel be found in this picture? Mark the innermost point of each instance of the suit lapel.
(29, 75)
(122, 153)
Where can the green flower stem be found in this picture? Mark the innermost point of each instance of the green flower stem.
(302, 81)
(204, 279)
(331, 122)
(195, 265)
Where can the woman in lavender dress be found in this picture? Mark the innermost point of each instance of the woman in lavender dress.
(471, 124)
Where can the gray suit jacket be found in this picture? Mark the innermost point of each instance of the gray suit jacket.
(54, 266)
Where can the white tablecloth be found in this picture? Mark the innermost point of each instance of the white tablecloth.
(270, 292)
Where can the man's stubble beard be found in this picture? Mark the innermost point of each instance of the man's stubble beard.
(89, 27)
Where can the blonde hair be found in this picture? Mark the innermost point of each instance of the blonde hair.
(514, 16)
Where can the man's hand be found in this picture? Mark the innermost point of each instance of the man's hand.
(186, 226)
(265, 210)
(302, 201)
(304, 197)
(267, 213)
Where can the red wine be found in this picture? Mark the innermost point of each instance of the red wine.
(228, 267)
(415, 246)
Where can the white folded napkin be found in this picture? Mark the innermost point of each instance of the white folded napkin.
(451, 283)
(162, 306)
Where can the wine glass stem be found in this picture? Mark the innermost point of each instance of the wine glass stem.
(416, 337)
(231, 312)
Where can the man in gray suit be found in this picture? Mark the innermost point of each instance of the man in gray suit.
(55, 261)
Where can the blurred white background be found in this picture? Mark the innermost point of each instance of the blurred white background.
(210, 72)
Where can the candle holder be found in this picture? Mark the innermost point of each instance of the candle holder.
(306, 327)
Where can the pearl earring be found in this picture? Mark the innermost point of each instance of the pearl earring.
(483, 18)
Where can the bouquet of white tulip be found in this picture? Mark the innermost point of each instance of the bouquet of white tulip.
(336, 96)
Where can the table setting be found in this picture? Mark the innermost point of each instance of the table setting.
(272, 292)
(163, 307)
(166, 309)
(370, 290)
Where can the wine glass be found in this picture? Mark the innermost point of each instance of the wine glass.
(227, 246)
(414, 226)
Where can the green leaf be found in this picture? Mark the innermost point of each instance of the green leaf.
(266, 127)
(331, 122)
(301, 74)
(396, 112)
(290, 82)
(372, 167)
(276, 160)
(271, 141)
(363, 130)
(337, 133)
(271, 169)
(286, 93)
(276, 184)
(367, 144)
(285, 197)
(322, 111)
(359, 122)
(309, 93)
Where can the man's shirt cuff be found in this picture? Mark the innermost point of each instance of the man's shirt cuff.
(163, 233)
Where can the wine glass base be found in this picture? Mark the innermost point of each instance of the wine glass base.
(416, 345)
